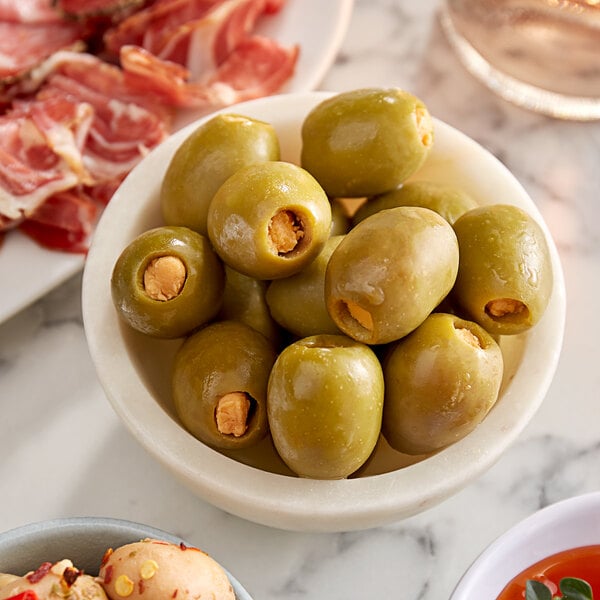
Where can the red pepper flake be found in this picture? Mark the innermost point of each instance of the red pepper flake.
(108, 573)
(40, 572)
(26, 595)
(70, 575)
(183, 546)
(174, 595)
(141, 586)
(106, 556)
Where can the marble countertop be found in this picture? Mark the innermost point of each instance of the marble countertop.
(64, 452)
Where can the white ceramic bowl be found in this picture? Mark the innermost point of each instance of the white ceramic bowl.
(81, 539)
(567, 524)
(134, 370)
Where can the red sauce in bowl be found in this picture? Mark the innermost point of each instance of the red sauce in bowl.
(582, 563)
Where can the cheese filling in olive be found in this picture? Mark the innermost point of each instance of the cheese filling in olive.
(505, 307)
(285, 231)
(232, 413)
(468, 336)
(356, 312)
(164, 278)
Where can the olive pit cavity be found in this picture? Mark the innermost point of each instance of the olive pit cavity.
(286, 232)
(164, 278)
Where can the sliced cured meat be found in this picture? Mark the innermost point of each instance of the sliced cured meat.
(95, 8)
(274, 6)
(198, 34)
(146, 25)
(164, 79)
(64, 122)
(101, 193)
(64, 221)
(257, 67)
(201, 45)
(83, 127)
(28, 11)
(122, 132)
(105, 79)
(25, 45)
(37, 153)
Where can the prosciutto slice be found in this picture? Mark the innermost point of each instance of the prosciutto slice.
(40, 146)
(25, 45)
(257, 67)
(147, 27)
(64, 221)
(84, 9)
(28, 11)
(83, 128)
(197, 34)
(124, 126)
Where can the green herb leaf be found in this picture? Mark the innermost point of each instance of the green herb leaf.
(573, 588)
(536, 590)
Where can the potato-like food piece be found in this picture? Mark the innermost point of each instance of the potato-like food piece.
(324, 402)
(440, 382)
(366, 142)
(219, 384)
(155, 570)
(167, 282)
(58, 581)
(390, 272)
(207, 157)
(269, 220)
(505, 275)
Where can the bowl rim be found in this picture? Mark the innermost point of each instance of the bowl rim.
(552, 525)
(28, 533)
(302, 504)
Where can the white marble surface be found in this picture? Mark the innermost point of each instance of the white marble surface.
(65, 453)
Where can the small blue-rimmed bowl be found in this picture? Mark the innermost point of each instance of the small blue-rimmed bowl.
(80, 539)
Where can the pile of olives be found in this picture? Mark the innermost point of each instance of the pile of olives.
(320, 326)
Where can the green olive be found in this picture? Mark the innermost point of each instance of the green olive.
(366, 142)
(244, 300)
(448, 201)
(219, 384)
(341, 223)
(325, 401)
(269, 220)
(440, 383)
(390, 272)
(207, 157)
(167, 282)
(297, 302)
(505, 276)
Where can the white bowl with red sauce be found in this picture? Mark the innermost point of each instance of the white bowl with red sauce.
(134, 369)
(544, 537)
